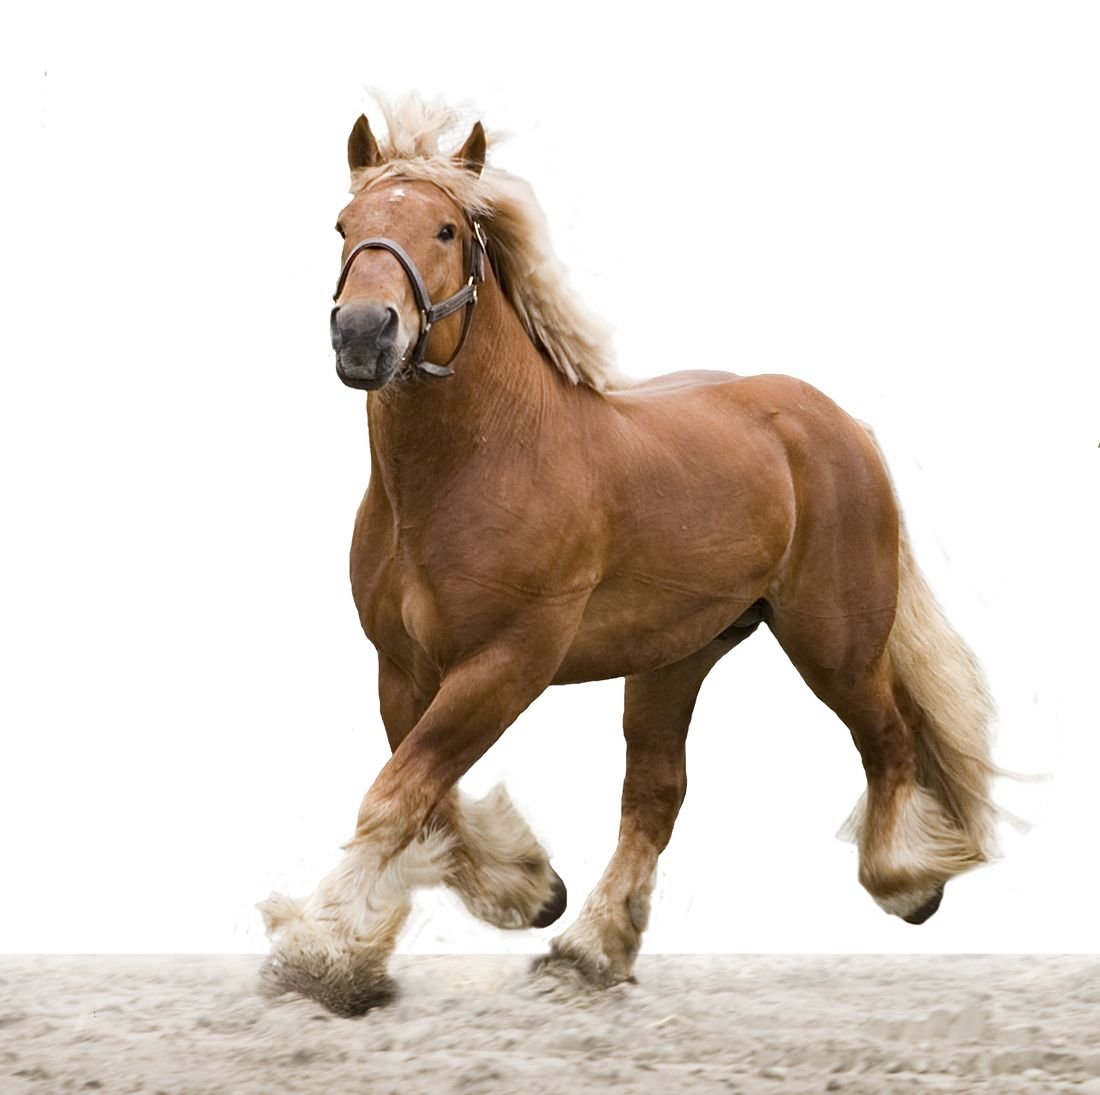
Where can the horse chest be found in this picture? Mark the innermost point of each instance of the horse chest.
(405, 608)
(395, 607)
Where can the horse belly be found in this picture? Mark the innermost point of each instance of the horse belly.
(633, 625)
(700, 541)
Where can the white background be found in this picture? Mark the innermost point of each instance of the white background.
(897, 203)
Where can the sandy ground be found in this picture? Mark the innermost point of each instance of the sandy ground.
(178, 1024)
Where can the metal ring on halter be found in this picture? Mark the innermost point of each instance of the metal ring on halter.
(429, 313)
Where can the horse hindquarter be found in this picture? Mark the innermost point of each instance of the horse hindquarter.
(850, 610)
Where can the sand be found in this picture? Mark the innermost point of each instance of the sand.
(776, 1024)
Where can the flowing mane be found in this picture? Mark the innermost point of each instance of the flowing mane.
(577, 342)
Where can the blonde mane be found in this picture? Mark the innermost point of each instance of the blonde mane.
(530, 275)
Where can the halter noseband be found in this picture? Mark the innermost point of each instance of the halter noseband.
(429, 313)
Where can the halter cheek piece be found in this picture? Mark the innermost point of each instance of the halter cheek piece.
(429, 313)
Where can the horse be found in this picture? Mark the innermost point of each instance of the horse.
(533, 518)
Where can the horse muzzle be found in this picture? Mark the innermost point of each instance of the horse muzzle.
(368, 342)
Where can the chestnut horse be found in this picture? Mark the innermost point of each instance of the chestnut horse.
(532, 519)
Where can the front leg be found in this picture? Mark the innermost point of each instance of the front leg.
(496, 864)
(335, 946)
(603, 942)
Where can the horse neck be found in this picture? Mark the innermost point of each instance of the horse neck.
(502, 392)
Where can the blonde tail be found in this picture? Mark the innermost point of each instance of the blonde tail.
(942, 677)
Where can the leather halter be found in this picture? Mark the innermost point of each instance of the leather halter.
(429, 313)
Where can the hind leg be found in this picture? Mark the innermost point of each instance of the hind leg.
(908, 847)
(603, 942)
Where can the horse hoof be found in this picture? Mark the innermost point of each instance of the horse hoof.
(561, 977)
(575, 972)
(926, 910)
(348, 994)
(554, 906)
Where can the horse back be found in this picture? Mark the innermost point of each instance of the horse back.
(716, 488)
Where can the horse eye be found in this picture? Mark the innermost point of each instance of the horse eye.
(446, 233)
(340, 229)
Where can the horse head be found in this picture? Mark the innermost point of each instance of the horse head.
(407, 243)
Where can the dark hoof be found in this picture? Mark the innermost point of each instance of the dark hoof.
(345, 994)
(555, 906)
(926, 910)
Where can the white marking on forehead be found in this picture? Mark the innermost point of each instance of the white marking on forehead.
(396, 194)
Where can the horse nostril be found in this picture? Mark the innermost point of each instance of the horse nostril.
(389, 328)
(364, 325)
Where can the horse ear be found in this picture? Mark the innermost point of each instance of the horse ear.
(472, 154)
(362, 147)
